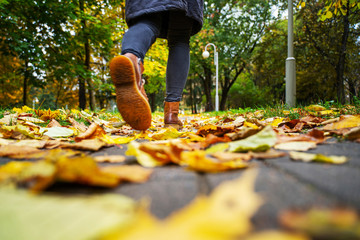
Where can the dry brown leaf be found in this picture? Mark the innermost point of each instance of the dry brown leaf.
(229, 156)
(9, 119)
(243, 133)
(353, 134)
(271, 153)
(79, 126)
(86, 145)
(93, 131)
(136, 174)
(212, 139)
(13, 151)
(53, 123)
(110, 158)
(216, 130)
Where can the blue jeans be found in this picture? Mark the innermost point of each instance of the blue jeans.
(176, 27)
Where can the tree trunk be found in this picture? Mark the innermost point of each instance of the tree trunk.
(82, 93)
(82, 80)
(207, 83)
(152, 101)
(25, 83)
(340, 66)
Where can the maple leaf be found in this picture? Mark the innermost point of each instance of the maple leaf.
(47, 114)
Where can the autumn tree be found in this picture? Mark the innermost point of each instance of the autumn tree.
(28, 30)
(340, 18)
(235, 27)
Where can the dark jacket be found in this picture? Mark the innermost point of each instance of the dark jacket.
(193, 9)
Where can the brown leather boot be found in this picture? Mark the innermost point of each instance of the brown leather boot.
(139, 69)
(133, 105)
(171, 111)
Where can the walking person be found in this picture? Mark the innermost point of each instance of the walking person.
(175, 20)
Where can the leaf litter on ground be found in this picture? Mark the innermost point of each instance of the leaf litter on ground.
(205, 144)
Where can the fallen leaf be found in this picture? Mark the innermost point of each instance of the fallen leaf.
(10, 119)
(224, 215)
(296, 146)
(309, 157)
(57, 132)
(31, 119)
(271, 153)
(93, 131)
(142, 157)
(83, 170)
(353, 134)
(243, 133)
(275, 235)
(229, 156)
(53, 123)
(316, 108)
(14, 131)
(110, 158)
(13, 151)
(216, 130)
(79, 126)
(347, 121)
(260, 142)
(86, 145)
(167, 133)
(54, 217)
(199, 161)
(320, 223)
(47, 114)
(128, 173)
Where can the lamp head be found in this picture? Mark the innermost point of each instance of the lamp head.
(205, 54)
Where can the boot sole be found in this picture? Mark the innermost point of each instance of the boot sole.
(132, 105)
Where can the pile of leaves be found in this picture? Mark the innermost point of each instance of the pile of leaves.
(57, 144)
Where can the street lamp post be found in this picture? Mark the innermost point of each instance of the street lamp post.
(206, 54)
(290, 91)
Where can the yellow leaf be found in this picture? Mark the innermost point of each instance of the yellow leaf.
(276, 122)
(309, 157)
(249, 124)
(224, 215)
(128, 173)
(349, 121)
(142, 157)
(316, 108)
(275, 235)
(197, 160)
(167, 133)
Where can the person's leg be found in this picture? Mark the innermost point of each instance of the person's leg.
(141, 35)
(126, 73)
(178, 65)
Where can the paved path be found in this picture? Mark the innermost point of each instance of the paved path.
(282, 182)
